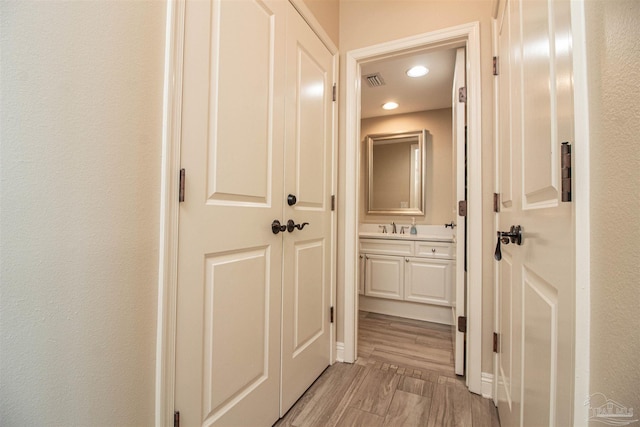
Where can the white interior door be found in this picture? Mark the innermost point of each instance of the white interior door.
(306, 327)
(230, 262)
(253, 327)
(460, 191)
(535, 284)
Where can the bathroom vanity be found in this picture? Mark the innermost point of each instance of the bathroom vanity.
(408, 275)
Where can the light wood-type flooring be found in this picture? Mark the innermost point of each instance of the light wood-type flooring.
(403, 377)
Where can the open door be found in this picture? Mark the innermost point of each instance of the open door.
(535, 245)
(460, 191)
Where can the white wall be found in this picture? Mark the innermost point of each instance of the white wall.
(613, 50)
(80, 134)
(327, 12)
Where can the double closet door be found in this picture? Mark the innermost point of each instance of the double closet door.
(253, 327)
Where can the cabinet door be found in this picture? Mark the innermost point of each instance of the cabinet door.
(429, 281)
(362, 274)
(442, 250)
(384, 276)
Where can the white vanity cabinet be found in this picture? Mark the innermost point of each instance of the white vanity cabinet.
(384, 267)
(408, 278)
(429, 281)
(384, 276)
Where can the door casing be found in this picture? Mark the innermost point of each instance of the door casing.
(467, 35)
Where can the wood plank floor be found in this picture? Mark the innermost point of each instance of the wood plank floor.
(403, 377)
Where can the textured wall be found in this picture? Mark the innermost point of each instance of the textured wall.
(366, 23)
(439, 164)
(80, 123)
(613, 50)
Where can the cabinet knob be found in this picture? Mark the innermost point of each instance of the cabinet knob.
(406, 260)
(433, 250)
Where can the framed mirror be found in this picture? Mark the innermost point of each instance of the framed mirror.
(396, 173)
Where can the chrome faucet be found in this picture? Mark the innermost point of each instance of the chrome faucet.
(393, 228)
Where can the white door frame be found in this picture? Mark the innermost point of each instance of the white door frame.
(170, 207)
(467, 35)
(581, 207)
(169, 214)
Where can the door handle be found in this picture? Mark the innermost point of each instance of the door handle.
(291, 225)
(514, 235)
(276, 227)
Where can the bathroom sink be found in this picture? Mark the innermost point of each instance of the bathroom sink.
(397, 236)
(430, 233)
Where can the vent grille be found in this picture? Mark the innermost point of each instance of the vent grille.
(374, 80)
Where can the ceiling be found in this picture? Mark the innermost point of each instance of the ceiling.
(429, 92)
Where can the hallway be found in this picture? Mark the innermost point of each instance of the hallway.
(403, 377)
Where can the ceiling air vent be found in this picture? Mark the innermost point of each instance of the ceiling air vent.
(374, 80)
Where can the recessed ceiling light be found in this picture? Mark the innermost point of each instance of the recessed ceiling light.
(417, 71)
(390, 106)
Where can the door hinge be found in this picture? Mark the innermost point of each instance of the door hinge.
(495, 66)
(496, 342)
(462, 208)
(181, 188)
(566, 172)
(333, 202)
(331, 314)
(334, 92)
(462, 94)
(496, 202)
(176, 419)
(462, 324)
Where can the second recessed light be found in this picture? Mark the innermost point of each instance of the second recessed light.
(417, 71)
(390, 106)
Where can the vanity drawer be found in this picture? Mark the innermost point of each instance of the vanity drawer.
(386, 247)
(435, 250)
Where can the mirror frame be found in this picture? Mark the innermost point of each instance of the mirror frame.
(421, 136)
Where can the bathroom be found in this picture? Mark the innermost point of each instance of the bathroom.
(410, 175)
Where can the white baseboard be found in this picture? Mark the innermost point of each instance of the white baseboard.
(339, 352)
(486, 381)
